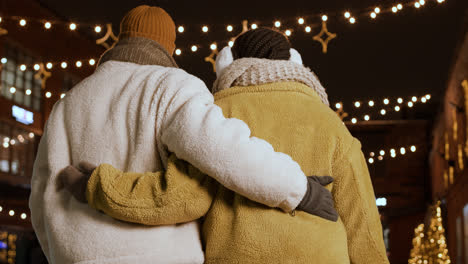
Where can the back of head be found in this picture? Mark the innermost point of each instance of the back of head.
(149, 22)
(262, 43)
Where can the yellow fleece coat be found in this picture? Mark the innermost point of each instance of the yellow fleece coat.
(292, 118)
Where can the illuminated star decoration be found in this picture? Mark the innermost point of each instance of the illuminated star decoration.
(42, 75)
(322, 41)
(211, 59)
(109, 34)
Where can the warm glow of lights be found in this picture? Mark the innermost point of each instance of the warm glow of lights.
(231, 43)
(178, 52)
(383, 112)
(357, 104)
(277, 24)
(12, 90)
(78, 64)
(6, 144)
(205, 29)
(23, 216)
(47, 25)
(97, 29)
(414, 99)
(371, 160)
(382, 152)
(372, 154)
(64, 65)
(410, 104)
(386, 101)
(181, 29)
(394, 9)
(366, 117)
(300, 21)
(324, 18)
(347, 14)
(288, 32)
(338, 106)
(12, 142)
(413, 148)
(49, 65)
(23, 67)
(422, 2)
(377, 10)
(31, 135)
(371, 103)
(417, 5)
(37, 67)
(92, 62)
(4, 60)
(393, 154)
(254, 26)
(62, 95)
(380, 158)
(22, 22)
(229, 28)
(428, 96)
(72, 26)
(352, 20)
(308, 29)
(423, 99)
(11, 213)
(373, 15)
(397, 108)
(48, 94)
(28, 92)
(400, 6)
(194, 48)
(354, 120)
(213, 46)
(440, 1)
(400, 100)
(402, 151)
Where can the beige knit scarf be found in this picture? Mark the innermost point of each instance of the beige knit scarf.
(138, 50)
(254, 71)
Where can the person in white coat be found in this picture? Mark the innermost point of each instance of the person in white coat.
(135, 110)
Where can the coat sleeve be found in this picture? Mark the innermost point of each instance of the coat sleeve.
(355, 202)
(194, 128)
(180, 194)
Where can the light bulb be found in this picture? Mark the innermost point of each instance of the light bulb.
(63, 65)
(194, 48)
(413, 148)
(231, 43)
(47, 25)
(31, 135)
(354, 120)
(288, 32)
(397, 108)
(300, 21)
(49, 65)
(178, 52)
(62, 95)
(382, 152)
(4, 60)
(205, 29)
(394, 9)
(23, 216)
(386, 101)
(347, 14)
(72, 26)
(357, 104)
(372, 154)
(400, 100)
(366, 117)
(23, 67)
(338, 106)
(229, 28)
(213, 46)
(422, 2)
(28, 92)
(6, 144)
(277, 24)
(22, 22)
(48, 94)
(324, 18)
(440, 1)
(371, 103)
(37, 67)
(11, 213)
(371, 160)
(414, 99)
(383, 112)
(12, 90)
(352, 20)
(254, 26)
(410, 104)
(92, 62)
(308, 29)
(181, 29)
(78, 64)
(373, 15)
(400, 6)
(97, 29)
(417, 5)
(423, 99)
(377, 10)
(428, 96)
(402, 151)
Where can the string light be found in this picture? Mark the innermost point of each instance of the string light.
(49, 65)
(410, 104)
(394, 9)
(277, 24)
(428, 96)
(386, 101)
(402, 151)
(63, 65)
(414, 99)
(92, 62)
(97, 29)
(338, 105)
(37, 67)
(23, 216)
(383, 112)
(373, 15)
(254, 26)
(78, 64)
(288, 32)
(366, 117)
(423, 100)
(357, 104)
(1, 208)
(352, 20)
(72, 26)
(47, 25)
(4, 60)
(380, 158)
(354, 120)
(6, 144)
(48, 94)
(324, 18)
(400, 100)
(308, 29)
(422, 2)
(371, 103)
(347, 14)
(371, 160)
(28, 92)
(400, 6)
(12, 90)
(11, 213)
(231, 43)
(413, 148)
(372, 154)
(194, 48)
(205, 29)
(417, 5)
(397, 108)
(229, 28)
(300, 21)
(181, 29)
(178, 52)
(0, 22)
(213, 46)
(22, 22)
(23, 67)
(377, 10)
(440, 1)
(62, 96)
(31, 135)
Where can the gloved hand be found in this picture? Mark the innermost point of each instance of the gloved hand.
(75, 179)
(318, 200)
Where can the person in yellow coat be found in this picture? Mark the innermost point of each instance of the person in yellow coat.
(261, 81)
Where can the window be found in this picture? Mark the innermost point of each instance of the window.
(27, 89)
(17, 150)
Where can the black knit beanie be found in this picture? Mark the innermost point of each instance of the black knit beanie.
(262, 43)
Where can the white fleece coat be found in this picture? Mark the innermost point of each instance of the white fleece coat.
(132, 116)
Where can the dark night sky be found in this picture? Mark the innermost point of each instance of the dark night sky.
(403, 54)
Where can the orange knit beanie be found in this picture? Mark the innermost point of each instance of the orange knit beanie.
(149, 22)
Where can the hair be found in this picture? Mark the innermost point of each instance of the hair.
(264, 43)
